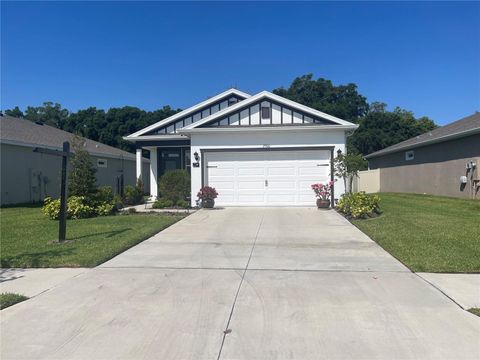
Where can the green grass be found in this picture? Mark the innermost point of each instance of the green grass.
(9, 299)
(475, 311)
(27, 235)
(428, 233)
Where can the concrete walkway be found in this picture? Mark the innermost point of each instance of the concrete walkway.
(462, 288)
(32, 282)
(241, 283)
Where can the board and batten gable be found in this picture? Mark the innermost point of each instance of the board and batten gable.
(244, 139)
(200, 114)
(277, 114)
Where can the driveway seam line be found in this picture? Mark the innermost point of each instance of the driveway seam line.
(441, 291)
(238, 289)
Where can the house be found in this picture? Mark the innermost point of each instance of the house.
(260, 150)
(443, 161)
(28, 176)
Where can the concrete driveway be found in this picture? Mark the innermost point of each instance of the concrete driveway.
(238, 283)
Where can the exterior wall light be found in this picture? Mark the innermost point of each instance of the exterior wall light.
(197, 159)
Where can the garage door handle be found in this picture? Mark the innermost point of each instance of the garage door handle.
(323, 164)
(266, 182)
(212, 166)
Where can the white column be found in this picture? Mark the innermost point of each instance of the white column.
(139, 163)
(153, 174)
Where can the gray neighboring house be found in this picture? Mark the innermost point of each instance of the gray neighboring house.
(27, 176)
(443, 161)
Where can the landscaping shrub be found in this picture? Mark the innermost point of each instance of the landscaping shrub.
(174, 185)
(104, 195)
(162, 204)
(132, 195)
(183, 204)
(359, 205)
(105, 209)
(81, 180)
(78, 207)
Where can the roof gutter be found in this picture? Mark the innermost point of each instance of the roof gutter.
(424, 143)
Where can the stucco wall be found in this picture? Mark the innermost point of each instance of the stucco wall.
(462, 148)
(29, 177)
(248, 139)
(438, 178)
(435, 169)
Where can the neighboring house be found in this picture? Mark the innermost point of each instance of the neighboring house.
(261, 150)
(443, 161)
(28, 176)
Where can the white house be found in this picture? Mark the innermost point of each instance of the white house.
(260, 150)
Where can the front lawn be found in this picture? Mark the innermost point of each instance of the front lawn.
(428, 233)
(26, 237)
(9, 299)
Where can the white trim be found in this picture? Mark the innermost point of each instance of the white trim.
(267, 95)
(270, 128)
(155, 137)
(153, 174)
(31, 145)
(187, 112)
(138, 164)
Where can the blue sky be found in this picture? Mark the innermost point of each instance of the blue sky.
(421, 56)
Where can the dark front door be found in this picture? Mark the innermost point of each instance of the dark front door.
(170, 159)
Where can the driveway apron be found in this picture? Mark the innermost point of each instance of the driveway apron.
(245, 283)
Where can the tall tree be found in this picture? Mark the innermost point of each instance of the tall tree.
(50, 114)
(342, 101)
(81, 181)
(15, 112)
(381, 128)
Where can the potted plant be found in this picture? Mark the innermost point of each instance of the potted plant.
(206, 197)
(323, 192)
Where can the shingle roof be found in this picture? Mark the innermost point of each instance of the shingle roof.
(28, 133)
(460, 128)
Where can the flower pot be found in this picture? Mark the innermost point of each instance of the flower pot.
(323, 204)
(208, 203)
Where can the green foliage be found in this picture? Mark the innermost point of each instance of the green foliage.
(9, 299)
(104, 195)
(174, 185)
(132, 195)
(78, 207)
(347, 166)
(15, 112)
(380, 129)
(49, 114)
(163, 203)
(359, 205)
(342, 101)
(183, 204)
(105, 209)
(81, 180)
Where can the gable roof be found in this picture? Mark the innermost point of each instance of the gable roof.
(23, 132)
(266, 95)
(187, 112)
(460, 128)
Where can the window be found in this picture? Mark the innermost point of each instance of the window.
(409, 155)
(265, 112)
(232, 102)
(102, 163)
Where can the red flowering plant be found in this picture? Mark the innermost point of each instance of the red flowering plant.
(207, 193)
(323, 191)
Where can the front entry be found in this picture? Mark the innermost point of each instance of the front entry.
(267, 178)
(172, 159)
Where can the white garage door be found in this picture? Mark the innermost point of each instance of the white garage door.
(267, 178)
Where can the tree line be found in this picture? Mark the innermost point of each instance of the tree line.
(378, 127)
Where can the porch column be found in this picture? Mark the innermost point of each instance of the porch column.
(153, 174)
(139, 163)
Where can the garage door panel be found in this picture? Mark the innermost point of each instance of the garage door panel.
(280, 170)
(263, 178)
(251, 171)
(248, 185)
